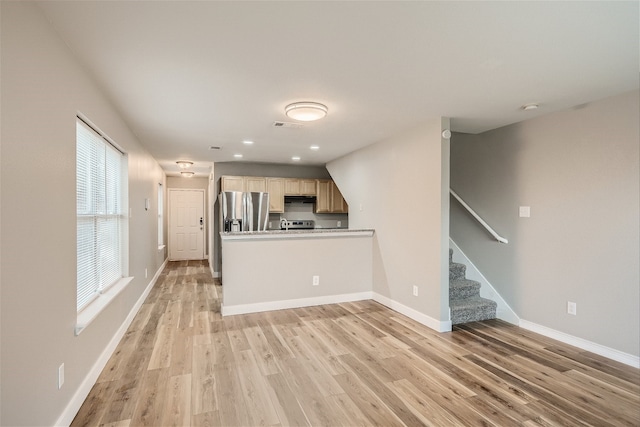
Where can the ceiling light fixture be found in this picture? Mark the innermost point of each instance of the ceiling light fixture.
(528, 107)
(314, 148)
(184, 164)
(295, 158)
(306, 111)
(247, 142)
(187, 174)
(237, 156)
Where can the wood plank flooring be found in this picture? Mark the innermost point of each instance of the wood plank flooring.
(354, 364)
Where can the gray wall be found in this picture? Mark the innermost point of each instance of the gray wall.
(43, 88)
(396, 187)
(578, 171)
(255, 169)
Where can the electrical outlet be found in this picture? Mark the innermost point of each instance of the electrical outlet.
(60, 376)
(316, 280)
(525, 211)
(572, 308)
(415, 291)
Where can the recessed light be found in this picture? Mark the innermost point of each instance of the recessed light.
(528, 107)
(237, 156)
(247, 142)
(295, 158)
(214, 147)
(314, 147)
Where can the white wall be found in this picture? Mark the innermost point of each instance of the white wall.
(578, 170)
(42, 90)
(396, 187)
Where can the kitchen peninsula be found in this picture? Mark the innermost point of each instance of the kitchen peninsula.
(272, 270)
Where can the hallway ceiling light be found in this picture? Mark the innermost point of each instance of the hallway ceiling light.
(184, 164)
(529, 107)
(306, 111)
(187, 174)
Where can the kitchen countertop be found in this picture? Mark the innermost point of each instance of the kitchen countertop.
(296, 234)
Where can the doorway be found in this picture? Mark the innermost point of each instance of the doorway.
(186, 224)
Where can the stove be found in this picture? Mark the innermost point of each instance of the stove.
(297, 224)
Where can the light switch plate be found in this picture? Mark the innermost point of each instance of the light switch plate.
(525, 211)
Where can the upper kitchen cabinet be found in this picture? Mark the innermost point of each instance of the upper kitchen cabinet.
(275, 187)
(255, 184)
(232, 183)
(338, 204)
(243, 183)
(323, 196)
(299, 187)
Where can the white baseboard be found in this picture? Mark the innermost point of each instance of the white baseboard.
(503, 311)
(90, 379)
(610, 353)
(430, 322)
(293, 303)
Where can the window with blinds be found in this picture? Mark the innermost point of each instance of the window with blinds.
(100, 214)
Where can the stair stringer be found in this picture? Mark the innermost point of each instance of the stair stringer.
(503, 311)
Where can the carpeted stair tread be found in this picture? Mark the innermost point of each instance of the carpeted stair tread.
(463, 288)
(465, 302)
(472, 310)
(457, 271)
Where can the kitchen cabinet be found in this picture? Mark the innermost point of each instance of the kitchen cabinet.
(232, 183)
(275, 188)
(299, 187)
(323, 196)
(338, 204)
(243, 183)
(255, 184)
(329, 199)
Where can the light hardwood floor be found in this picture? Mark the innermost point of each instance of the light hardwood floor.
(355, 364)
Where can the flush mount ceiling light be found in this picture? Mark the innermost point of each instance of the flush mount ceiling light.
(314, 148)
(184, 164)
(237, 156)
(187, 174)
(295, 158)
(529, 107)
(247, 142)
(306, 111)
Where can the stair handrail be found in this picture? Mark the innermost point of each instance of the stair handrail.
(477, 217)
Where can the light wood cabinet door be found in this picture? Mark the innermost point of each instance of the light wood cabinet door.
(255, 184)
(338, 204)
(232, 183)
(292, 187)
(275, 187)
(323, 196)
(308, 187)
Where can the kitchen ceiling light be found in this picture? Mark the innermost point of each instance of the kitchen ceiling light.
(306, 111)
(295, 158)
(247, 142)
(314, 148)
(237, 156)
(184, 164)
(187, 174)
(528, 107)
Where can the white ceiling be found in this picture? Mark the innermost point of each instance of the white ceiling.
(189, 75)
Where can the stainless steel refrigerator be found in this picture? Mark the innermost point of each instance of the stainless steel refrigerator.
(243, 211)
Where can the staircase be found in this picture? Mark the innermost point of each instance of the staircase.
(465, 301)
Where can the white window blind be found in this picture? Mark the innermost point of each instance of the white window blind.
(99, 214)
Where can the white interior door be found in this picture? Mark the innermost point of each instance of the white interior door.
(186, 224)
